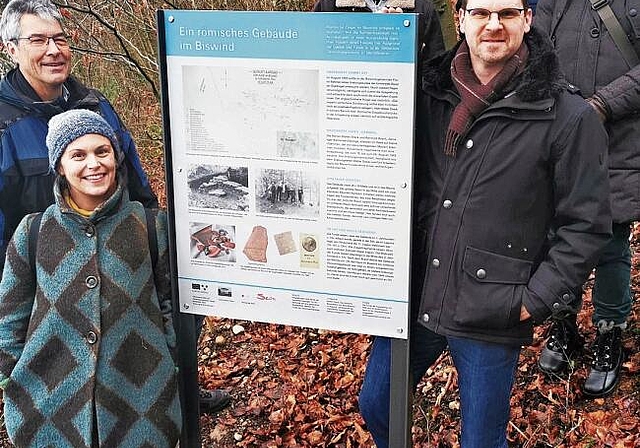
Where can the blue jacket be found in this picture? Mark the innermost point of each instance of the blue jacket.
(26, 185)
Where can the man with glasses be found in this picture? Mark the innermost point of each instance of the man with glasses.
(506, 151)
(30, 94)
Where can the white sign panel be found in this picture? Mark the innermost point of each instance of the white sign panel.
(291, 139)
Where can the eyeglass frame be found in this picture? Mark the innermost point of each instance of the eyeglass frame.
(63, 44)
(500, 18)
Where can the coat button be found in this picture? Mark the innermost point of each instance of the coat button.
(633, 12)
(89, 231)
(91, 282)
(481, 273)
(594, 32)
(92, 338)
(425, 317)
(556, 306)
(566, 297)
(469, 144)
(447, 203)
(435, 263)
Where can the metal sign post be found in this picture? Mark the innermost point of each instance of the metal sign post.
(400, 395)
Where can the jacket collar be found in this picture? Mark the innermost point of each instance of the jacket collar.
(541, 78)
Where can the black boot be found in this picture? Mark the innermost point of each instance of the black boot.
(604, 375)
(563, 343)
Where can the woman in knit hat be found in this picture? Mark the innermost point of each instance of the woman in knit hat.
(86, 335)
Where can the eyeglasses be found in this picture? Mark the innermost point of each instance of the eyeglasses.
(504, 15)
(41, 41)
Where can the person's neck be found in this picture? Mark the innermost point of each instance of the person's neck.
(73, 205)
(45, 92)
(48, 94)
(485, 73)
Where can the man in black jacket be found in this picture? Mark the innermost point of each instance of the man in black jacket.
(592, 61)
(506, 152)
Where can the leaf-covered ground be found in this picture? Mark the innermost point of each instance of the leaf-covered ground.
(298, 387)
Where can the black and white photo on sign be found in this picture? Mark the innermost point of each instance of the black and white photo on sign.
(287, 192)
(218, 187)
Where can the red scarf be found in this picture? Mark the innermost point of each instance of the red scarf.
(475, 96)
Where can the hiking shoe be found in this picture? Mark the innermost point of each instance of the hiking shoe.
(604, 375)
(213, 400)
(563, 343)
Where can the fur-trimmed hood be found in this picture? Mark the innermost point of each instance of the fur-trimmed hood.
(540, 79)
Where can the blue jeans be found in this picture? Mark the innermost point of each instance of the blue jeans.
(425, 348)
(611, 292)
(485, 377)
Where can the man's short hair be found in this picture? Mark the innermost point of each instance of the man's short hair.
(15, 9)
(462, 4)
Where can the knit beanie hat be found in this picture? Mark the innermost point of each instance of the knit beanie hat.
(64, 128)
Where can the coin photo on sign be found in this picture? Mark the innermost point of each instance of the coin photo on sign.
(309, 244)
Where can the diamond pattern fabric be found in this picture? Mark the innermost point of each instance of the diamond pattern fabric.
(88, 363)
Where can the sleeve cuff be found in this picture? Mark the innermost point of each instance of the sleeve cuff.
(600, 106)
(560, 307)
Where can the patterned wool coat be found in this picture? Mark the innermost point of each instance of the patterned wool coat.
(86, 340)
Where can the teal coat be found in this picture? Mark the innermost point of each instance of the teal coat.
(86, 341)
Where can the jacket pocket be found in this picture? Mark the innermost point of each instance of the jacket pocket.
(490, 294)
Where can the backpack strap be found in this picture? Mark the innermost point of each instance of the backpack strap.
(151, 235)
(616, 31)
(34, 231)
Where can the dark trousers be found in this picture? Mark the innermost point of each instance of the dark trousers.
(611, 296)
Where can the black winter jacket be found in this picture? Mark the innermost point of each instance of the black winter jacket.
(26, 185)
(532, 162)
(590, 59)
